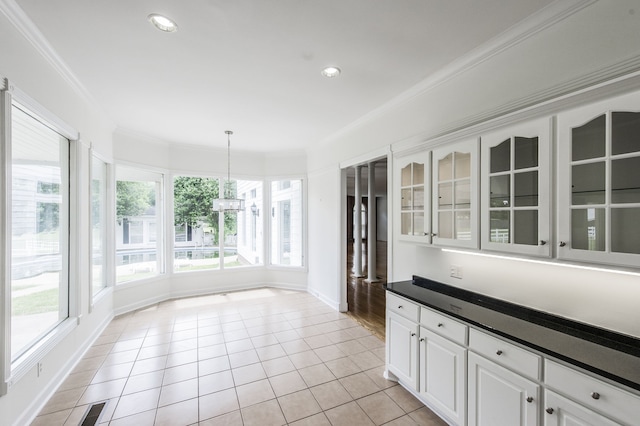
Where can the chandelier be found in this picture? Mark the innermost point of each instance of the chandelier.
(227, 203)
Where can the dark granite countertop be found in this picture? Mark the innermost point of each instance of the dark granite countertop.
(608, 353)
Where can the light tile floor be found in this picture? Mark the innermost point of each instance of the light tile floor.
(259, 357)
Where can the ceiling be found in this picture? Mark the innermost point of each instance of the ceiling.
(253, 66)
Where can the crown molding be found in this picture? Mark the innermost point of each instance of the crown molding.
(551, 15)
(30, 31)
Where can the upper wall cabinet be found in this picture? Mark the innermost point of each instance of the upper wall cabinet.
(599, 182)
(516, 190)
(413, 184)
(455, 194)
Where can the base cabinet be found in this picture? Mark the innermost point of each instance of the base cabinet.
(472, 377)
(443, 372)
(500, 397)
(560, 411)
(402, 353)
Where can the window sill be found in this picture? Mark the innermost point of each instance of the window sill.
(33, 356)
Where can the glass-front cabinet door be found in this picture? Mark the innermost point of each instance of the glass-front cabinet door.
(455, 193)
(516, 189)
(413, 192)
(599, 182)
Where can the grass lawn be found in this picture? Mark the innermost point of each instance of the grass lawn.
(35, 303)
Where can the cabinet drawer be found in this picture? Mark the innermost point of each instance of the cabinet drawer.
(443, 325)
(403, 307)
(507, 354)
(594, 393)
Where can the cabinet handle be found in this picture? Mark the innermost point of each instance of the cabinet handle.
(549, 410)
(595, 395)
(499, 352)
(542, 242)
(434, 234)
(562, 244)
(440, 324)
(413, 334)
(530, 399)
(422, 339)
(399, 306)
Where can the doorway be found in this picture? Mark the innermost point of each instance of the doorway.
(366, 299)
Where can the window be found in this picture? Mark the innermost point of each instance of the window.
(98, 224)
(243, 230)
(138, 224)
(286, 222)
(196, 241)
(39, 230)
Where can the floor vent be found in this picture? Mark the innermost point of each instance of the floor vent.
(93, 414)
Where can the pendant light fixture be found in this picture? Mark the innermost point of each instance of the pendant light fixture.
(227, 203)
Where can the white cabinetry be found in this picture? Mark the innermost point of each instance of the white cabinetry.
(443, 367)
(591, 394)
(561, 411)
(503, 388)
(443, 364)
(413, 187)
(599, 182)
(402, 340)
(516, 189)
(500, 397)
(455, 194)
(472, 377)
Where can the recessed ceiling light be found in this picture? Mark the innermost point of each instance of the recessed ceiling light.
(331, 72)
(163, 23)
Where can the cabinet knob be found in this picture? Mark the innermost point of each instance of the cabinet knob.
(542, 242)
(499, 352)
(530, 399)
(440, 324)
(562, 244)
(595, 395)
(433, 234)
(422, 339)
(549, 410)
(413, 334)
(399, 306)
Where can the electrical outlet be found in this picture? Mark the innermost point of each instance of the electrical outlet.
(455, 271)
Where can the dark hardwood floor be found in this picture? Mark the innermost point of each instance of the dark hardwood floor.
(367, 300)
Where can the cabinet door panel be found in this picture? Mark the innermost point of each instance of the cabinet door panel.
(442, 375)
(599, 182)
(402, 353)
(455, 194)
(560, 411)
(516, 191)
(500, 397)
(412, 197)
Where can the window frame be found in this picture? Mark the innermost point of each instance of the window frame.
(13, 370)
(268, 224)
(160, 221)
(171, 246)
(107, 255)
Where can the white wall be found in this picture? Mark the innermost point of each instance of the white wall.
(542, 59)
(597, 296)
(326, 235)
